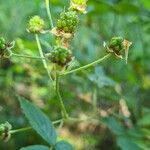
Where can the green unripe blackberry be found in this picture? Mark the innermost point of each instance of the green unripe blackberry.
(5, 131)
(5, 48)
(116, 44)
(36, 25)
(60, 56)
(2, 46)
(2, 43)
(68, 21)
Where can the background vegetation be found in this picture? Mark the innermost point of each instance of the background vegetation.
(120, 92)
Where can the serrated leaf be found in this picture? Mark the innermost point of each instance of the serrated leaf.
(113, 125)
(39, 121)
(63, 145)
(100, 79)
(127, 144)
(35, 147)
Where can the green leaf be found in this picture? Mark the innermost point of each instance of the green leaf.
(100, 79)
(35, 147)
(39, 121)
(127, 144)
(63, 145)
(114, 125)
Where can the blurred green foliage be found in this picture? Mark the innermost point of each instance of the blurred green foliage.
(119, 91)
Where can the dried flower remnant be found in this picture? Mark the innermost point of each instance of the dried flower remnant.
(117, 45)
(78, 5)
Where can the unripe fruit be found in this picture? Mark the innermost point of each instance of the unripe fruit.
(2, 46)
(36, 25)
(116, 45)
(2, 43)
(60, 56)
(5, 131)
(5, 48)
(68, 22)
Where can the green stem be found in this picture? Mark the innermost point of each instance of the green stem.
(20, 130)
(77, 120)
(42, 55)
(63, 109)
(27, 56)
(29, 128)
(61, 124)
(87, 66)
(49, 13)
(57, 121)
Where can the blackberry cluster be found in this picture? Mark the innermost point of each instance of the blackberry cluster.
(5, 48)
(60, 56)
(116, 45)
(2, 46)
(2, 43)
(68, 21)
(5, 131)
(35, 25)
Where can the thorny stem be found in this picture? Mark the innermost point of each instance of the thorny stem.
(29, 128)
(87, 66)
(49, 13)
(64, 112)
(42, 55)
(27, 56)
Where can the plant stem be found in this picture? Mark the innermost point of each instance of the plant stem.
(27, 56)
(63, 109)
(20, 130)
(77, 120)
(57, 121)
(49, 13)
(61, 124)
(61, 121)
(29, 128)
(42, 55)
(88, 65)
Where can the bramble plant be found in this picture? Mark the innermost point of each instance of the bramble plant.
(5, 48)
(35, 25)
(60, 58)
